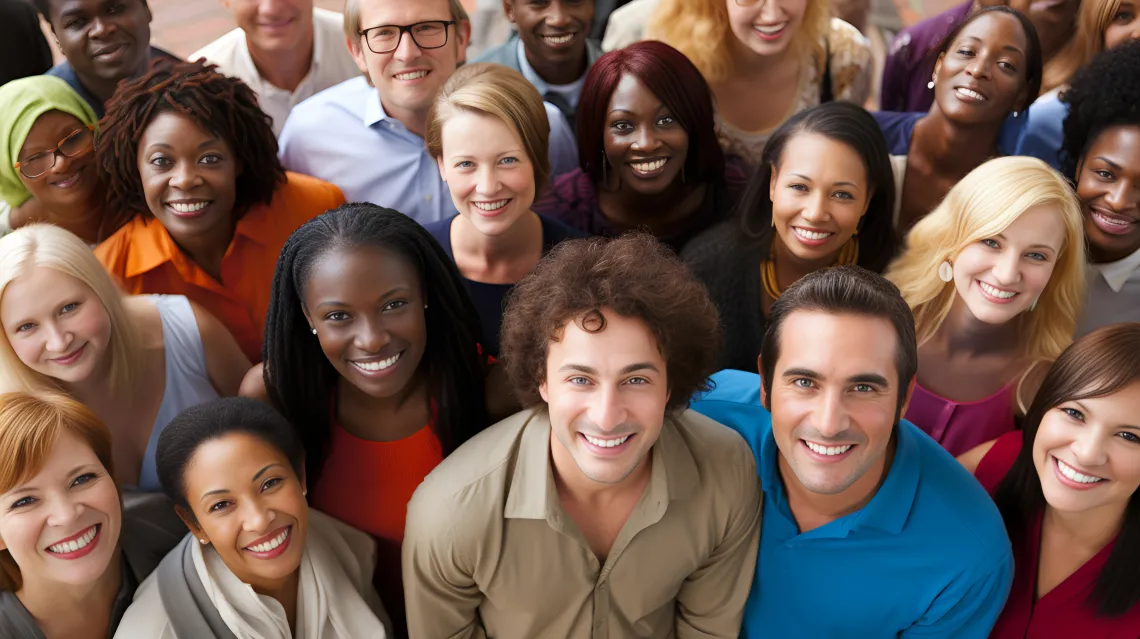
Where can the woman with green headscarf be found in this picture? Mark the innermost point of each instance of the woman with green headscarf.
(48, 172)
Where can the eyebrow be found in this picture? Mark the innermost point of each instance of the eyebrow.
(1109, 162)
(1001, 236)
(804, 177)
(27, 486)
(1086, 411)
(859, 378)
(385, 296)
(163, 145)
(632, 368)
(660, 107)
(220, 491)
(1008, 47)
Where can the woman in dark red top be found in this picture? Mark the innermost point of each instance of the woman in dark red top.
(1067, 488)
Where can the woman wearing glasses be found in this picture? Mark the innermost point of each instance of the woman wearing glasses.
(202, 206)
(766, 60)
(49, 175)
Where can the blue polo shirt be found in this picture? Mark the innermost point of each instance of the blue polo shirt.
(927, 557)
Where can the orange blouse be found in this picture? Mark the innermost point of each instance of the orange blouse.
(145, 259)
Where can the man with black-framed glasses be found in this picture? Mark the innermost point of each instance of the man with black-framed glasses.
(366, 135)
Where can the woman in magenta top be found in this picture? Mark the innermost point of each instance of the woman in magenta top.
(1066, 486)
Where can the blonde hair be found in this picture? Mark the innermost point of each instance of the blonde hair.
(45, 245)
(502, 93)
(982, 205)
(352, 17)
(700, 29)
(30, 425)
(1093, 19)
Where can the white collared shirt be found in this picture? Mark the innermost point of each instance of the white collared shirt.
(332, 64)
(1113, 294)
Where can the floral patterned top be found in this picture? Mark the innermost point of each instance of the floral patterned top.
(850, 67)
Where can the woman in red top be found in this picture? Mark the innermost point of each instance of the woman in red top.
(1067, 488)
(372, 352)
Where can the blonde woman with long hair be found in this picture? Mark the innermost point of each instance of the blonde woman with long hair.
(995, 277)
(135, 361)
(765, 60)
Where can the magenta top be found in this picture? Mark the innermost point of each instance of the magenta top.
(960, 426)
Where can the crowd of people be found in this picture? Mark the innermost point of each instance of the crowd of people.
(658, 318)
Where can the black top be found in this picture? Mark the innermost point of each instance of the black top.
(489, 298)
(24, 50)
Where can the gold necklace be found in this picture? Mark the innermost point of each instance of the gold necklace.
(848, 255)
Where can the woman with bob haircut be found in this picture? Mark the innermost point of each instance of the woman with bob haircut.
(372, 350)
(1066, 486)
(1102, 152)
(258, 562)
(71, 550)
(822, 195)
(202, 204)
(995, 277)
(647, 149)
(135, 361)
(988, 67)
(760, 77)
(489, 133)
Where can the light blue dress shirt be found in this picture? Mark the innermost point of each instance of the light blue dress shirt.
(342, 135)
(928, 556)
(1044, 133)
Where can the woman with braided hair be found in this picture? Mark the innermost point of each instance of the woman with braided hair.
(200, 205)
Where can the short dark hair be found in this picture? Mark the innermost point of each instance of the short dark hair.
(219, 104)
(671, 77)
(203, 423)
(844, 290)
(1101, 363)
(1100, 98)
(44, 8)
(1034, 58)
(634, 276)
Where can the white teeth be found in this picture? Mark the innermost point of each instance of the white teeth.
(188, 208)
(771, 30)
(70, 181)
(1070, 473)
(490, 206)
(970, 94)
(75, 544)
(414, 75)
(648, 167)
(377, 366)
(562, 39)
(605, 443)
(1110, 220)
(995, 292)
(272, 543)
(811, 235)
(828, 450)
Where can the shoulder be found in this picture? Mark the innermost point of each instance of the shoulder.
(354, 550)
(308, 193)
(569, 199)
(346, 98)
(331, 22)
(995, 459)
(734, 402)
(146, 616)
(554, 231)
(441, 231)
(627, 23)
(712, 443)
(253, 384)
(846, 44)
(223, 50)
(500, 54)
(112, 252)
(712, 248)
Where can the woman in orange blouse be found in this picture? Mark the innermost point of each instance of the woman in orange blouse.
(202, 204)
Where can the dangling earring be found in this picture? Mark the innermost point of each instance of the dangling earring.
(945, 271)
(930, 85)
(1033, 307)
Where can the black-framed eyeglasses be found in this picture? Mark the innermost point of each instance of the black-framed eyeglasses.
(385, 38)
(77, 143)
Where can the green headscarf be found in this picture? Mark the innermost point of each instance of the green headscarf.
(22, 102)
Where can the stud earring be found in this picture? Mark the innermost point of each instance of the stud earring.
(930, 85)
(202, 541)
(945, 271)
(314, 331)
(425, 307)
(1016, 113)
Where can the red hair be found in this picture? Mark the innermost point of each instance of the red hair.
(675, 81)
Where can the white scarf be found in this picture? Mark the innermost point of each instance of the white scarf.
(335, 599)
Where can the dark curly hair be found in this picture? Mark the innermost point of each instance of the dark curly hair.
(634, 276)
(224, 106)
(1101, 95)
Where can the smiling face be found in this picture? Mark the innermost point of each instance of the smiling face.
(1108, 186)
(367, 305)
(189, 178)
(104, 40)
(56, 325)
(819, 194)
(982, 77)
(1002, 276)
(553, 33)
(249, 504)
(1124, 25)
(409, 78)
(274, 25)
(606, 394)
(766, 27)
(71, 185)
(834, 400)
(63, 524)
(1087, 452)
(645, 145)
(487, 170)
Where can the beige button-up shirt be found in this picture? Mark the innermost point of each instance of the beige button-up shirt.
(489, 552)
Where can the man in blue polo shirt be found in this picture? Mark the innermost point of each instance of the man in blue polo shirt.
(870, 529)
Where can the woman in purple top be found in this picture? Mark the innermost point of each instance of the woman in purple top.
(648, 151)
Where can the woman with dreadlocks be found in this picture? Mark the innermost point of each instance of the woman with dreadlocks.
(200, 205)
